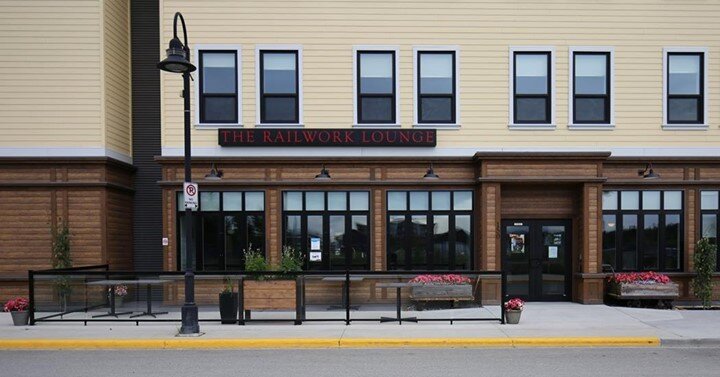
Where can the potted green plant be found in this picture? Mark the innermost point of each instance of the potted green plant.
(61, 259)
(270, 292)
(228, 303)
(705, 259)
(18, 308)
(513, 309)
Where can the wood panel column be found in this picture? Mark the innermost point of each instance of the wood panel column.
(490, 254)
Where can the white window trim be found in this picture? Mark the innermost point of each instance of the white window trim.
(264, 47)
(511, 94)
(571, 86)
(396, 50)
(681, 126)
(416, 77)
(196, 84)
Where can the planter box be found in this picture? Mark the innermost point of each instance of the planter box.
(269, 295)
(442, 292)
(635, 291)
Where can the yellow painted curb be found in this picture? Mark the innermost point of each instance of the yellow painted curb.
(209, 343)
(587, 342)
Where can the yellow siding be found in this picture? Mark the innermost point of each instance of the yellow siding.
(483, 30)
(50, 86)
(116, 47)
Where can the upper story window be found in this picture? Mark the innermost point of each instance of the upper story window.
(643, 230)
(710, 217)
(279, 87)
(532, 87)
(376, 87)
(685, 87)
(591, 87)
(436, 87)
(218, 86)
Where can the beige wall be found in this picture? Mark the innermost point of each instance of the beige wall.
(64, 77)
(483, 31)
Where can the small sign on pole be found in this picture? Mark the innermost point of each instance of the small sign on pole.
(190, 193)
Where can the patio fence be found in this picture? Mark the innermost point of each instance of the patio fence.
(98, 294)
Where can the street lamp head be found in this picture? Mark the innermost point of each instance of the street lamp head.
(176, 60)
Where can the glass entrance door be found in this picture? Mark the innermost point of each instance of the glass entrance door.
(536, 256)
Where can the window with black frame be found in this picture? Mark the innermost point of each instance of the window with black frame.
(279, 82)
(532, 87)
(226, 224)
(436, 87)
(429, 230)
(643, 230)
(591, 87)
(685, 87)
(329, 228)
(218, 86)
(710, 217)
(376, 87)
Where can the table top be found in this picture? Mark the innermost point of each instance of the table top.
(398, 285)
(342, 278)
(128, 281)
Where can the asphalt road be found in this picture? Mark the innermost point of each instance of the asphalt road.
(366, 362)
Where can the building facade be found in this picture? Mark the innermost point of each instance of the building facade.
(555, 141)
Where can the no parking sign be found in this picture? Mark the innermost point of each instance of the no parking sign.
(190, 193)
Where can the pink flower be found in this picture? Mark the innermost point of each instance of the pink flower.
(648, 277)
(515, 304)
(19, 304)
(449, 279)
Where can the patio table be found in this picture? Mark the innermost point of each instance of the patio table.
(344, 290)
(115, 282)
(398, 287)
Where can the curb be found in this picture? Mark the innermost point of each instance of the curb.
(697, 342)
(305, 343)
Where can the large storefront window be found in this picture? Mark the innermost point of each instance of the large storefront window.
(330, 228)
(226, 224)
(710, 217)
(429, 230)
(642, 230)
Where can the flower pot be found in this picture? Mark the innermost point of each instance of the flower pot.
(228, 308)
(118, 302)
(512, 317)
(20, 318)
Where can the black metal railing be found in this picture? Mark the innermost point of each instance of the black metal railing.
(313, 294)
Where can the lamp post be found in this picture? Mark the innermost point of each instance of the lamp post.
(177, 61)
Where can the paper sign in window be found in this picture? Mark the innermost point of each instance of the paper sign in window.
(315, 243)
(552, 252)
(315, 256)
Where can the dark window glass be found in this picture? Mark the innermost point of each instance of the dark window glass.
(376, 87)
(436, 87)
(429, 230)
(650, 238)
(279, 87)
(710, 217)
(651, 224)
(685, 89)
(629, 242)
(329, 228)
(673, 248)
(609, 239)
(531, 87)
(224, 229)
(218, 87)
(591, 83)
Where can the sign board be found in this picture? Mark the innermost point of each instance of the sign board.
(315, 243)
(190, 193)
(552, 252)
(326, 137)
(315, 256)
(165, 241)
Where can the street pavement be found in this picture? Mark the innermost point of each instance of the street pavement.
(570, 362)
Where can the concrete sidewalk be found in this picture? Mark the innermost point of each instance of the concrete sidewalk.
(542, 324)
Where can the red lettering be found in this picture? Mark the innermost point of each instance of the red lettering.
(377, 137)
(391, 137)
(336, 137)
(365, 139)
(250, 137)
(224, 135)
(279, 137)
(404, 137)
(417, 137)
(348, 137)
(429, 137)
(266, 137)
(309, 136)
(238, 136)
(324, 136)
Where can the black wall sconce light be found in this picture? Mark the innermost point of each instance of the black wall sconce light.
(648, 172)
(430, 174)
(214, 175)
(324, 175)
